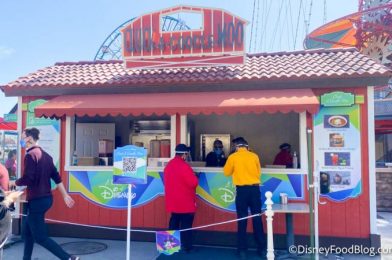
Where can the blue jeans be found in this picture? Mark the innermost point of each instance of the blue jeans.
(35, 230)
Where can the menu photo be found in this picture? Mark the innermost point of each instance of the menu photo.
(331, 181)
(336, 140)
(337, 159)
(337, 121)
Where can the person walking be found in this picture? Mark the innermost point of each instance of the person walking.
(244, 167)
(180, 194)
(39, 169)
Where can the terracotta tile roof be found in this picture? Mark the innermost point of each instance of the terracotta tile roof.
(266, 70)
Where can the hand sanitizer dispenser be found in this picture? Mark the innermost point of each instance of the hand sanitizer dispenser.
(295, 160)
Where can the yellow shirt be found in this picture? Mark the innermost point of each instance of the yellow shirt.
(244, 166)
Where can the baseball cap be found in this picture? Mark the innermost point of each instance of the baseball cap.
(240, 141)
(284, 146)
(182, 148)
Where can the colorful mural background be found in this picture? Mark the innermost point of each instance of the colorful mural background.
(214, 188)
(49, 130)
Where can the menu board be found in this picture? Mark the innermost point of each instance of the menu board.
(130, 165)
(337, 151)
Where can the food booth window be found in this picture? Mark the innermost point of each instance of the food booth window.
(280, 113)
(264, 132)
(93, 138)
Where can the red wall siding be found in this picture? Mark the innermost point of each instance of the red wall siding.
(346, 219)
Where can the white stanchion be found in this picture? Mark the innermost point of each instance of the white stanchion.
(129, 222)
(270, 235)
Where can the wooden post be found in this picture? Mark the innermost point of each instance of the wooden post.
(270, 235)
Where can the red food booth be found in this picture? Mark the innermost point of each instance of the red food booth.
(271, 98)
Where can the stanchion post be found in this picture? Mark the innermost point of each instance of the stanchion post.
(128, 254)
(270, 235)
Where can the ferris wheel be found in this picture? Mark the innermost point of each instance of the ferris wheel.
(369, 30)
(110, 49)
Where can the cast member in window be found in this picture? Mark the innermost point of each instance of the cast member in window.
(180, 194)
(284, 157)
(217, 157)
(10, 164)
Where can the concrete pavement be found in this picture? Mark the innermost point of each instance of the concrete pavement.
(146, 251)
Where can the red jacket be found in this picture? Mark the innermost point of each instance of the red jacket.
(180, 186)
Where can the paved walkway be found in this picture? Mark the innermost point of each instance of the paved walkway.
(146, 251)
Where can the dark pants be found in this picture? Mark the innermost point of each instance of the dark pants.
(183, 221)
(249, 197)
(35, 230)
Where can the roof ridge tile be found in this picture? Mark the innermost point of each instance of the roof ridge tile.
(346, 63)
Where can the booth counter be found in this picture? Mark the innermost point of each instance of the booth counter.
(215, 189)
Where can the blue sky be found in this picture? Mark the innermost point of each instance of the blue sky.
(37, 34)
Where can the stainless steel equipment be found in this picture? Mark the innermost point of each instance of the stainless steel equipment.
(154, 135)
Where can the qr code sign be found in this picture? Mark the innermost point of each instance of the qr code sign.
(129, 164)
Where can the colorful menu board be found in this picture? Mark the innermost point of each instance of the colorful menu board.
(130, 165)
(337, 151)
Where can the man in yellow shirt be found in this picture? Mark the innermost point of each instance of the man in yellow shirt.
(244, 167)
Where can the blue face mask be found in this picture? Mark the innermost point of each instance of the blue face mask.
(218, 151)
(22, 143)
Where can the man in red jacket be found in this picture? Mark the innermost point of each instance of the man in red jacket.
(180, 194)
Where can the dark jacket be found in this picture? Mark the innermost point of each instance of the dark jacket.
(214, 160)
(38, 170)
